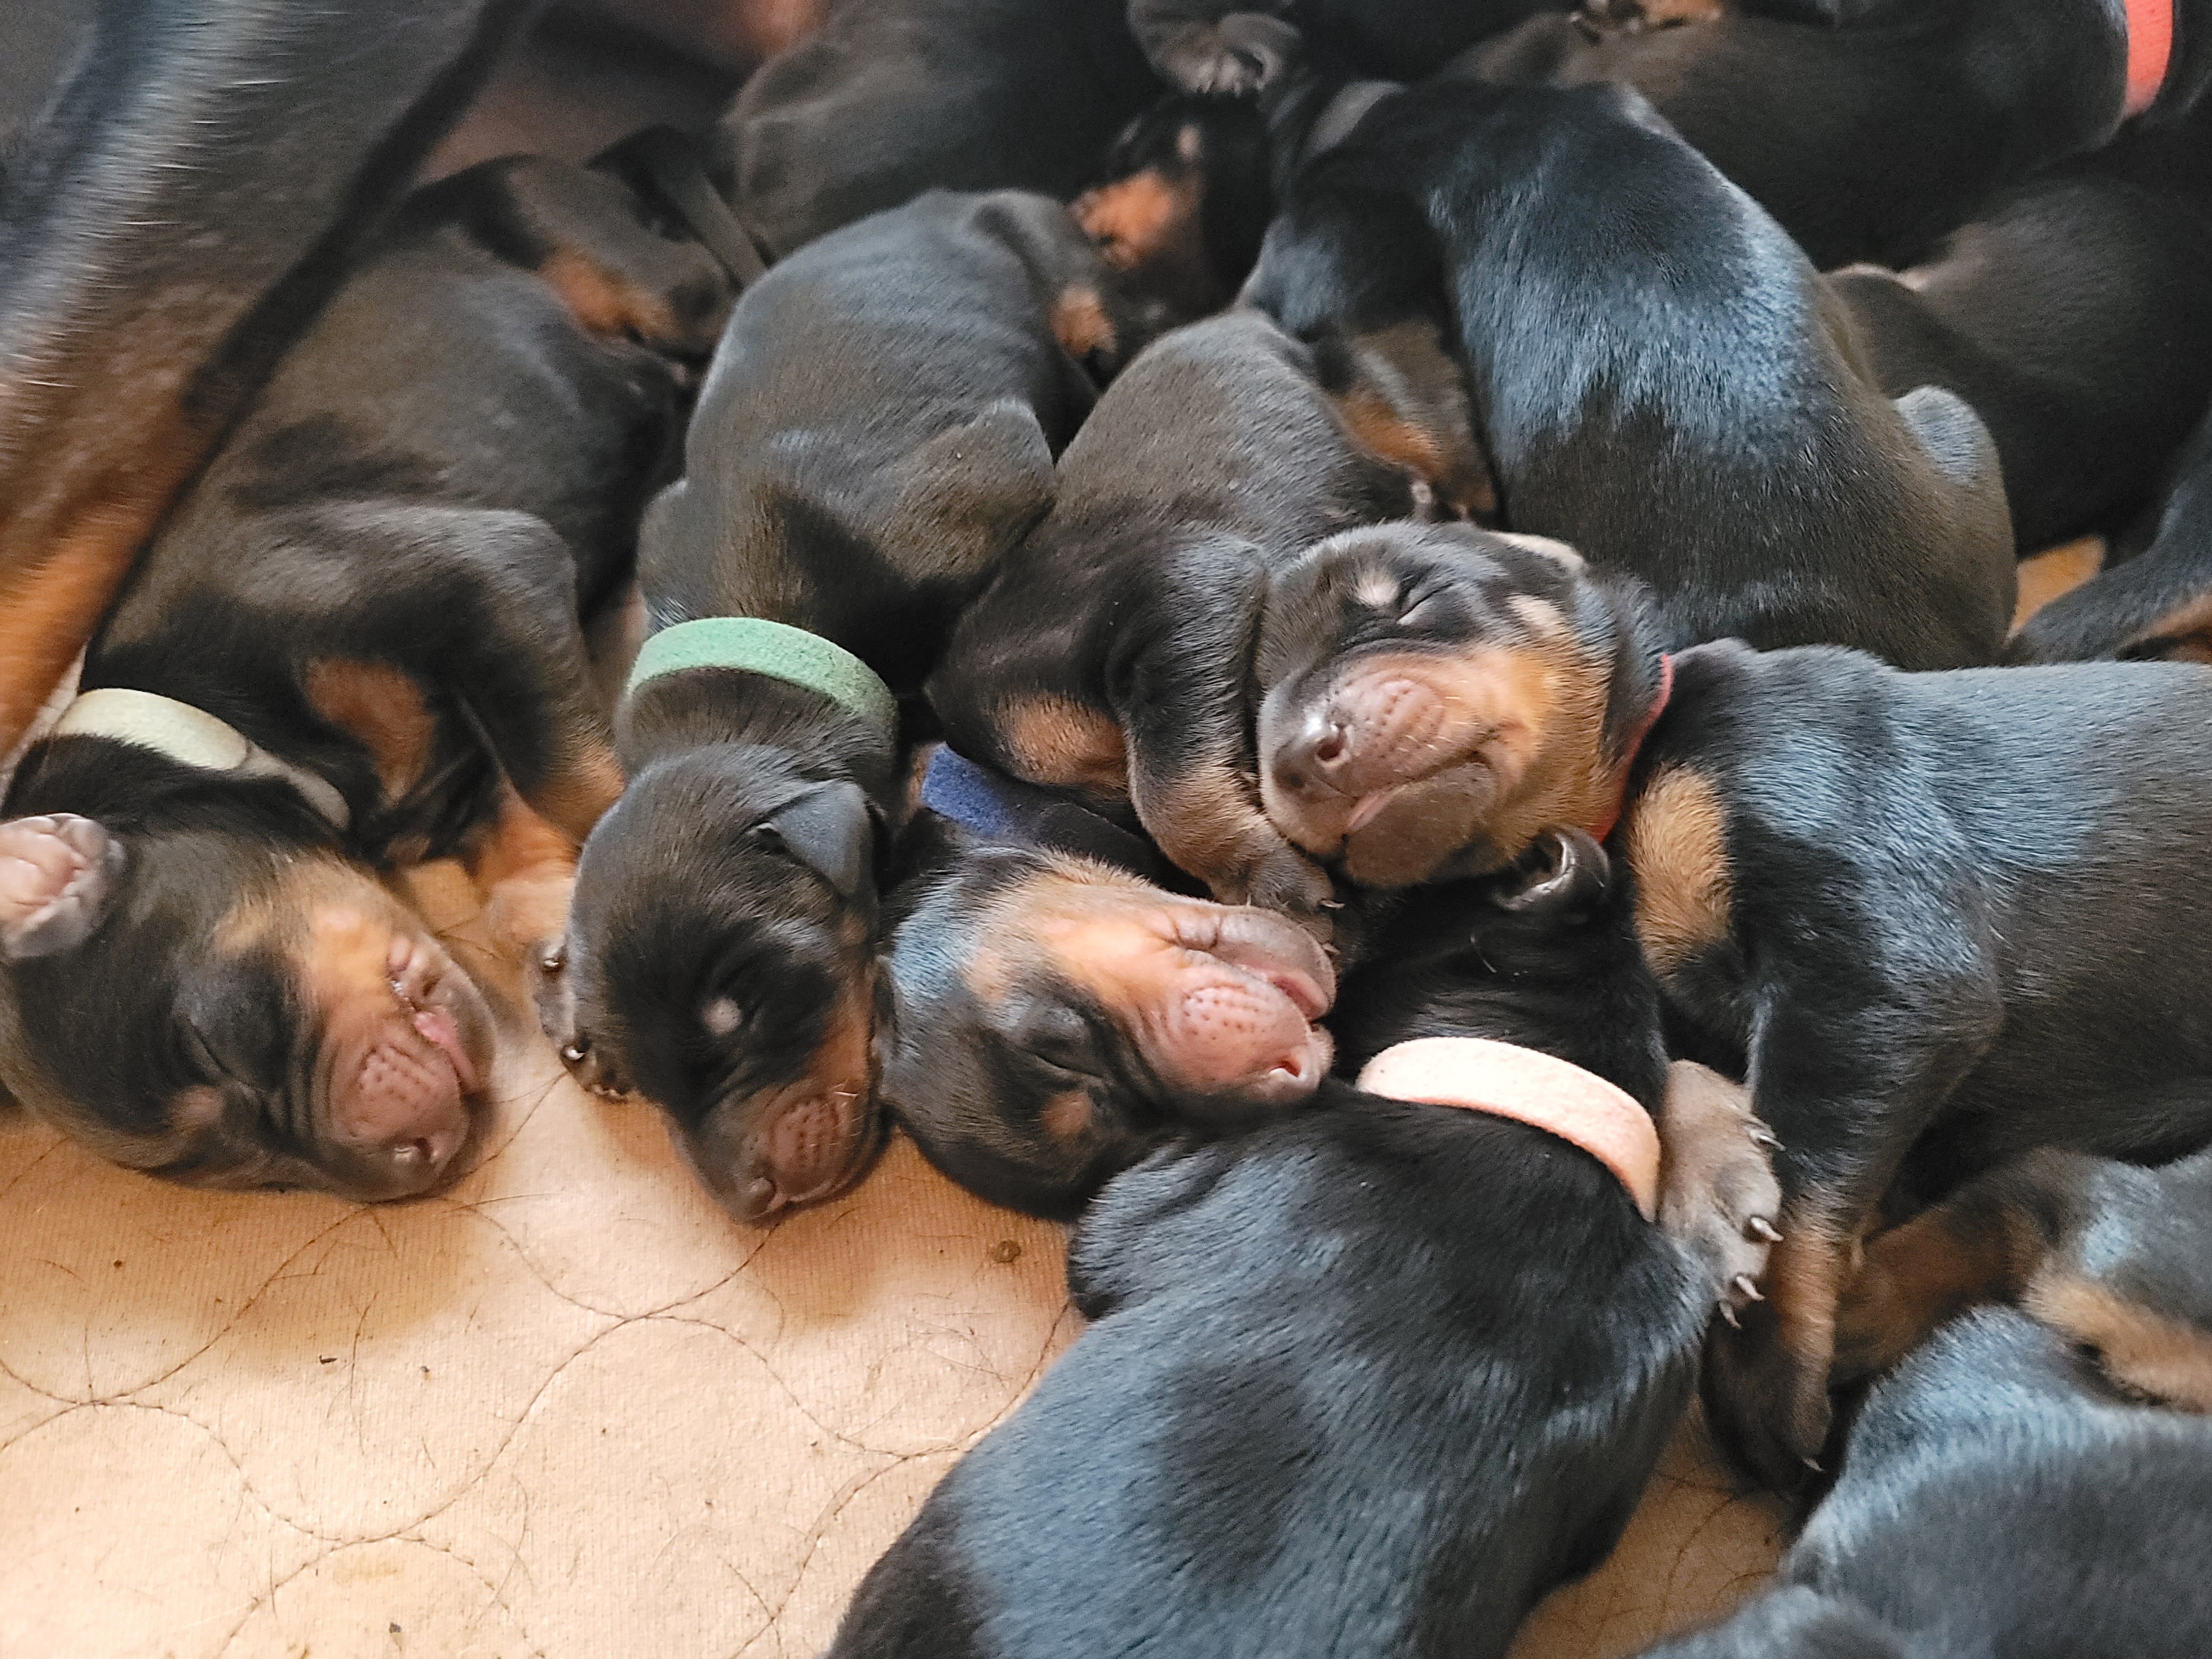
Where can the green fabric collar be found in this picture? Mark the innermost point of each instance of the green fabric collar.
(777, 650)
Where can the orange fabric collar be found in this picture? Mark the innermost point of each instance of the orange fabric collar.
(1506, 1080)
(1604, 826)
(2150, 52)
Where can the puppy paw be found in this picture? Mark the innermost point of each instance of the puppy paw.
(1286, 881)
(1718, 1196)
(554, 1000)
(1767, 1407)
(1600, 17)
(1245, 52)
(55, 872)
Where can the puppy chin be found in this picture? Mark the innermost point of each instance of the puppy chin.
(1409, 837)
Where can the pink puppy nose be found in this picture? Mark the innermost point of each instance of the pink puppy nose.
(405, 1104)
(1313, 756)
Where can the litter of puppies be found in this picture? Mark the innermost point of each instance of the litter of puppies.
(1354, 645)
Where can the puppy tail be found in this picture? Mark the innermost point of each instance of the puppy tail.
(1796, 1623)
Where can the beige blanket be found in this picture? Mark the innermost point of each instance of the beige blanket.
(568, 1409)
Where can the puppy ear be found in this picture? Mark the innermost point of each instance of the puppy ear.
(1570, 871)
(56, 874)
(832, 831)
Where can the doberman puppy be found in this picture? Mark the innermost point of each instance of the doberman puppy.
(1109, 654)
(1456, 1327)
(890, 98)
(1871, 128)
(2073, 317)
(877, 427)
(357, 643)
(2020, 1486)
(1056, 1018)
(167, 229)
(1900, 901)
(2152, 602)
(1542, 300)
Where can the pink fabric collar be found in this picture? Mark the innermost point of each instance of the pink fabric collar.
(1529, 1087)
(2150, 50)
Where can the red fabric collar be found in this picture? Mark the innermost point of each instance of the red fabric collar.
(1605, 825)
(2150, 52)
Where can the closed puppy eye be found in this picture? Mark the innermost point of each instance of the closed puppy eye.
(1411, 614)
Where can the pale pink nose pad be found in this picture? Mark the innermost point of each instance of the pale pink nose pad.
(407, 1106)
(1315, 757)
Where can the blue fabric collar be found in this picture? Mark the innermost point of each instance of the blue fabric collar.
(999, 808)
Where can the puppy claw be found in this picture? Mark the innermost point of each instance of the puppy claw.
(1761, 1228)
(1745, 1287)
(1728, 1313)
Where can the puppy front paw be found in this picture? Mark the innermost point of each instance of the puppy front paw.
(1718, 1196)
(1243, 52)
(1600, 17)
(554, 1000)
(1286, 880)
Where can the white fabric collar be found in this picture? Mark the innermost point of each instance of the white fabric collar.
(194, 736)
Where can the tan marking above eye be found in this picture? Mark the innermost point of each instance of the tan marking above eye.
(1065, 1116)
(1677, 844)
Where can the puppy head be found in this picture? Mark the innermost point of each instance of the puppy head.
(719, 959)
(1434, 695)
(219, 1010)
(1542, 953)
(1186, 202)
(1055, 1019)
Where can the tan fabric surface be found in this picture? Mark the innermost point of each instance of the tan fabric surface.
(568, 1409)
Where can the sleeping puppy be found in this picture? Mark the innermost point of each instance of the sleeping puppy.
(1690, 410)
(1108, 655)
(877, 427)
(1455, 1327)
(1869, 128)
(2072, 316)
(890, 98)
(1056, 1017)
(2029, 1483)
(2152, 602)
(358, 643)
(1896, 903)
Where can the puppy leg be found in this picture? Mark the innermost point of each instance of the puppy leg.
(1186, 709)
(479, 601)
(1847, 1084)
(525, 868)
(1980, 1245)
(1717, 1194)
(1403, 400)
